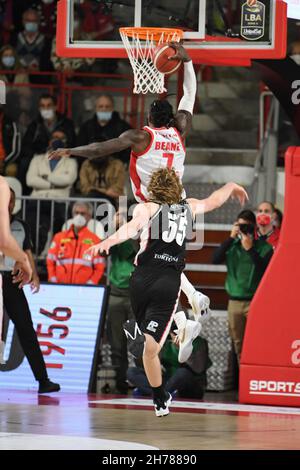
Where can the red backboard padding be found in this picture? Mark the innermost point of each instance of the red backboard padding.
(270, 362)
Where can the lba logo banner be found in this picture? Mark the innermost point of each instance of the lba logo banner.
(67, 320)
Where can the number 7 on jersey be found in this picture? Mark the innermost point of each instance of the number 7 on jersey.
(170, 158)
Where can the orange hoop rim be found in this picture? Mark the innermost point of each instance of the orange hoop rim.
(156, 33)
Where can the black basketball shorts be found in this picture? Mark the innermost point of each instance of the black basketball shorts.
(154, 296)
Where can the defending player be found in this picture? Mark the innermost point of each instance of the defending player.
(158, 145)
(155, 283)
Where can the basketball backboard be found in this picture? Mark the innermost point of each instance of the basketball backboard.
(212, 28)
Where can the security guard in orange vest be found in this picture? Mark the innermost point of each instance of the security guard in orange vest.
(67, 261)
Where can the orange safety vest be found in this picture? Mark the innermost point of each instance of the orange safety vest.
(67, 261)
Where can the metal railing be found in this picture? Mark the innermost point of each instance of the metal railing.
(32, 212)
(265, 175)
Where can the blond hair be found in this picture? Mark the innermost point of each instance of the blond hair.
(165, 187)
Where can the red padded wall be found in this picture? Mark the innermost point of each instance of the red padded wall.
(270, 362)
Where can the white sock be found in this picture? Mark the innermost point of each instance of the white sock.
(186, 286)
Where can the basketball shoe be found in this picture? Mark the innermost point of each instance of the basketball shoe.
(200, 306)
(161, 406)
(187, 331)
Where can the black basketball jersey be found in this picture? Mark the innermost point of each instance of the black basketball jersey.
(163, 240)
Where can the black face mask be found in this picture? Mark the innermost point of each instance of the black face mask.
(58, 144)
(247, 229)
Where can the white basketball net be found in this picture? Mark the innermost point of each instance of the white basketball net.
(147, 79)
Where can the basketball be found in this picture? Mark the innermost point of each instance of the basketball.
(162, 62)
(251, 3)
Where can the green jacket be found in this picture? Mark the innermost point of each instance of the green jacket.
(246, 268)
(122, 257)
(198, 362)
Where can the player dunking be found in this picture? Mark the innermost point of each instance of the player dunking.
(155, 283)
(158, 145)
(9, 247)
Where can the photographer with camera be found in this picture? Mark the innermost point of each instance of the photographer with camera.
(246, 259)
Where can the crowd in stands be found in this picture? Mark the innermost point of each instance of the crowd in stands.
(31, 126)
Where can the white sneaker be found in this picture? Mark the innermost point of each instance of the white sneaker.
(162, 406)
(191, 331)
(200, 306)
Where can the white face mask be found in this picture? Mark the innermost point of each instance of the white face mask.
(296, 58)
(79, 220)
(47, 114)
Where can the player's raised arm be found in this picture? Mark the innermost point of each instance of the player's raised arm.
(218, 198)
(135, 139)
(186, 105)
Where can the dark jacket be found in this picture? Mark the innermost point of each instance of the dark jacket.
(91, 131)
(11, 139)
(36, 138)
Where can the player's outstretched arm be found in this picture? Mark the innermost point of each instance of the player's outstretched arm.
(141, 216)
(218, 198)
(132, 138)
(187, 102)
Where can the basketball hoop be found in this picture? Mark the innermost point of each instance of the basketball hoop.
(140, 44)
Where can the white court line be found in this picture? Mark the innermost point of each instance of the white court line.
(141, 402)
(21, 441)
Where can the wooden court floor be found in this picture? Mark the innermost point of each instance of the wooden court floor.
(71, 421)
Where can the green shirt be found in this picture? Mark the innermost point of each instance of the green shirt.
(198, 362)
(243, 276)
(122, 257)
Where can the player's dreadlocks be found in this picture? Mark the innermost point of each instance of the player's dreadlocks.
(161, 114)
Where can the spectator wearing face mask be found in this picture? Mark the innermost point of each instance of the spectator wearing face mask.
(246, 259)
(67, 261)
(105, 124)
(18, 98)
(32, 47)
(265, 219)
(52, 180)
(36, 139)
(10, 63)
(10, 143)
(46, 10)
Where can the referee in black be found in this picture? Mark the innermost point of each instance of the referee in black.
(16, 304)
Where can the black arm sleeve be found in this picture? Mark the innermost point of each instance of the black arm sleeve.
(260, 262)
(219, 255)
